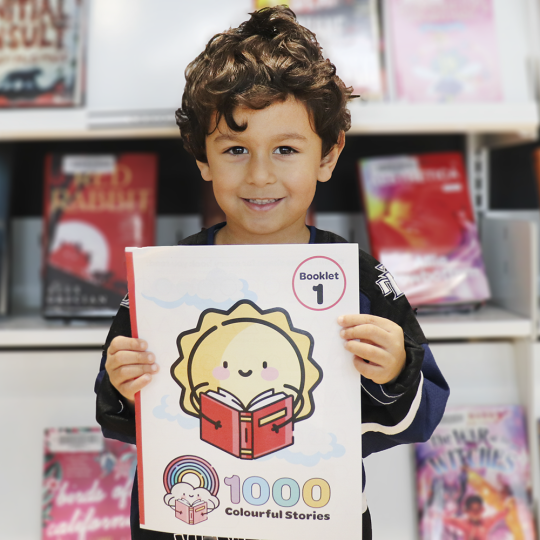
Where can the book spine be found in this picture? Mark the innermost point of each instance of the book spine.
(246, 435)
(191, 516)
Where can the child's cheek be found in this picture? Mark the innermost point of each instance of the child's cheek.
(221, 373)
(270, 374)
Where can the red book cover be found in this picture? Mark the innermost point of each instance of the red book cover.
(422, 228)
(261, 428)
(94, 207)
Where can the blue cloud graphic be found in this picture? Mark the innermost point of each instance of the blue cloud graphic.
(297, 458)
(183, 420)
(204, 303)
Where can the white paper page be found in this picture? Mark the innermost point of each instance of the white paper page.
(249, 319)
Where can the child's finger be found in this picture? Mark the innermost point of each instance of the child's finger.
(369, 332)
(132, 371)
(356, 319)
(369, 371)
(372, 353)
(130, 388)
(122, 343)
(125, 358)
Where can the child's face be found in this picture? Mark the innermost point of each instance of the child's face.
(264, 178)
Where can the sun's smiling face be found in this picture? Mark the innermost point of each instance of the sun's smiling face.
(246, 352)
(257, 359)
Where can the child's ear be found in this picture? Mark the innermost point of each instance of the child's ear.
(205, 170)
(329, 161)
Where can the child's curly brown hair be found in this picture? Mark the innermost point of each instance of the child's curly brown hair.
(266, 59)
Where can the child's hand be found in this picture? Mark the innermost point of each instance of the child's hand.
(130, 368)
(378, 344)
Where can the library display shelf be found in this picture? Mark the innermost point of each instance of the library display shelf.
(32, 331)
(520, 118)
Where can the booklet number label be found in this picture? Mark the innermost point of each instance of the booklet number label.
(319, 283)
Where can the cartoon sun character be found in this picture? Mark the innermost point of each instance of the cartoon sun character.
(249, 376)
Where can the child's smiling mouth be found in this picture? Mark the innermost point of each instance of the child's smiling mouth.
(245, 373)
(262, 204)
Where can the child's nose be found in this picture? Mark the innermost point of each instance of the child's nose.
(260, 171)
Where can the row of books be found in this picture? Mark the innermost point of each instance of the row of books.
(419, 216)
(443, 51)
(473, 480)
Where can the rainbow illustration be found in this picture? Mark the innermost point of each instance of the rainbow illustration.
(179, 467)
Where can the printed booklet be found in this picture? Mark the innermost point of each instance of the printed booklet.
(473, 476)
(422, 228)
(252, 426)
(94, 206)
(42, 53)
(443, 51)
(87, 482)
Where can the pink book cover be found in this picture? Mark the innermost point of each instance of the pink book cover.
(444, 51)
(87, 483)
(191, 514)
(422, 229)
(473, 476)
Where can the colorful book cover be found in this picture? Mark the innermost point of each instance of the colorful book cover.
(348, 32)
(87, 483)
(256, 408)
(42, 53)
(444, 51)
(473, 476)
(422, 228)
(94, 206)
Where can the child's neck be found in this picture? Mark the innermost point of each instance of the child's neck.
(231, 235)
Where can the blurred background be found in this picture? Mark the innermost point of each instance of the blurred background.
(438, 179)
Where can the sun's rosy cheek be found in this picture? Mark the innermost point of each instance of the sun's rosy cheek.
(270, 374)
(221, 373)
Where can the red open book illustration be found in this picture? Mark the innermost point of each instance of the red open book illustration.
(262, 427)
(191, 514)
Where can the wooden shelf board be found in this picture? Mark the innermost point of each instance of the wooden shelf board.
(489, 322)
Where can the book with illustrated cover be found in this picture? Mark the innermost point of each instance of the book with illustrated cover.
(264, 426)
(473, 476)
(94, 206)
(444, 51)
(42, 53)
(87, 482)
(191, 513)
(422, 228)
(348, 32)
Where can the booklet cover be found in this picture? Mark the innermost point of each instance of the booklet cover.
(252, 426)
(473, 476)
(94, 206)
(87, 482)
(443, 51)
(42, 53)
(422, 228)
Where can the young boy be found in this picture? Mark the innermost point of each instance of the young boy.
(264, 115)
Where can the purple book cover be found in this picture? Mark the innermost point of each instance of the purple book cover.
(87, 483)
(473, 477)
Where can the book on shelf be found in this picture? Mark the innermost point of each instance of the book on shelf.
(87, 483)
(442, 52)
(5, 199)
(473, 476)
(42, 48)
(248, 432)
(348, 32)
(422, 229)
(94, 207)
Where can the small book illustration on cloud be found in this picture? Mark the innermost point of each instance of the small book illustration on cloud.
(248, 374)
(191, 514)
(262, 427)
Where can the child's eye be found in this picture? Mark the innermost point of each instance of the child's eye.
(265, 365)
(285, 150)
(237, 150)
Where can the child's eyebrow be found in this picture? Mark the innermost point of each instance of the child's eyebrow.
(280, 137)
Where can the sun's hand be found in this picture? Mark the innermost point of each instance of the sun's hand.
(378, 345)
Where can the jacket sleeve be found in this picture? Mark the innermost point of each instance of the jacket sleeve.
(409, 408)
(116, 418)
